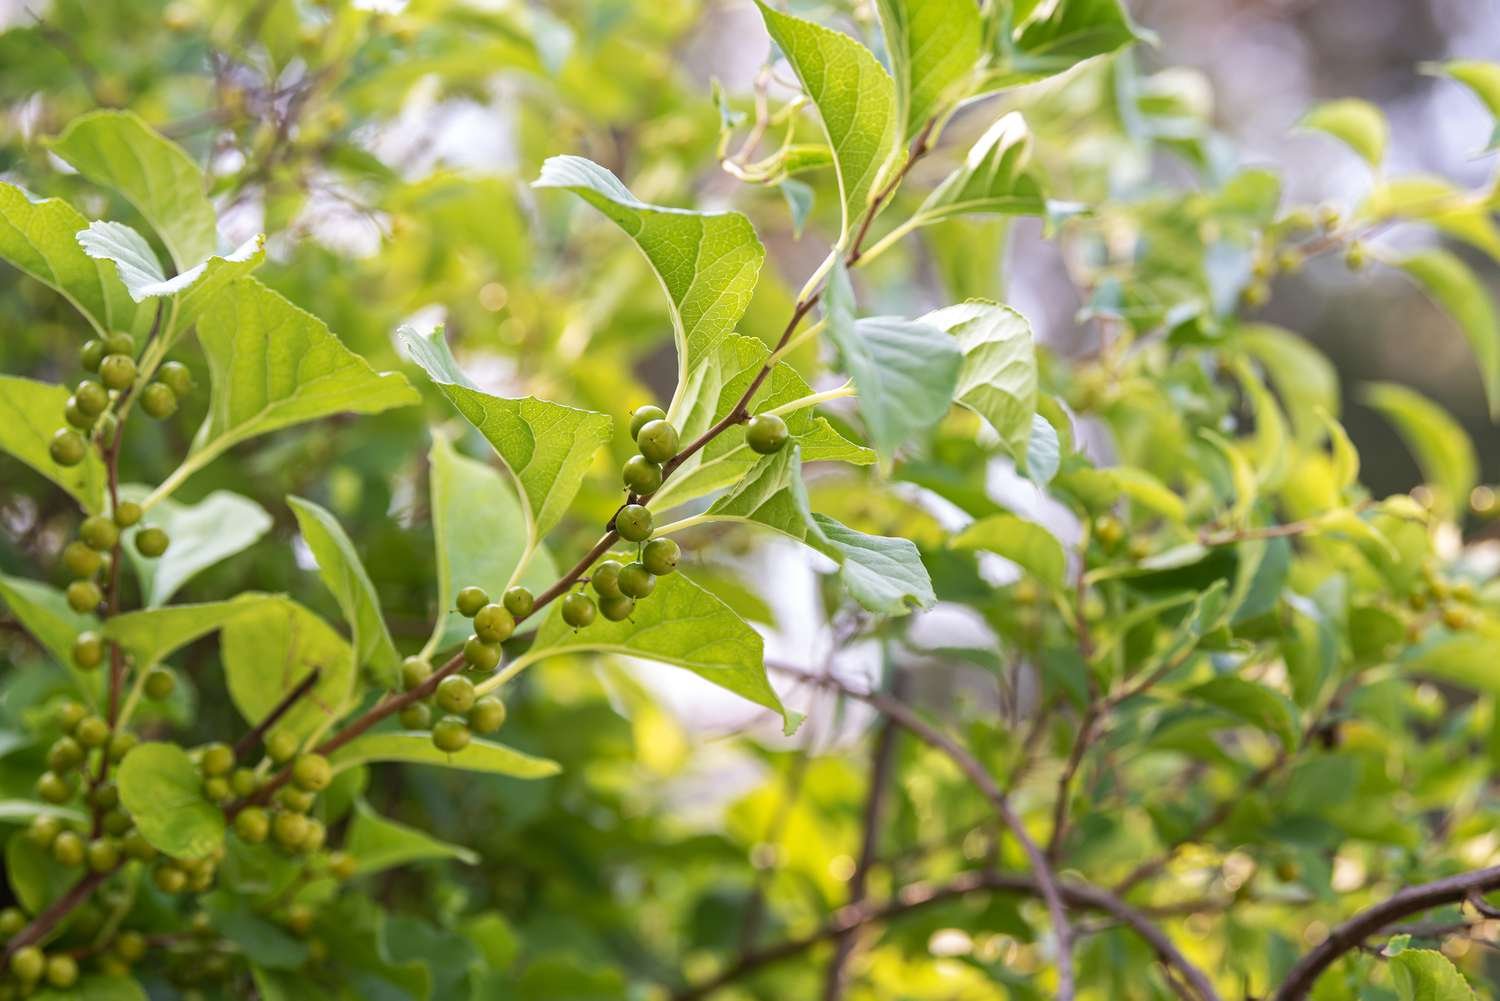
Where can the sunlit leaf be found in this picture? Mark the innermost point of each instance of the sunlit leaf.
(1360, 125)
(30, 414)
(416, 748)
(162, 789)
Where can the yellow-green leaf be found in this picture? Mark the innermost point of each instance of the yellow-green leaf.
(1360, 125)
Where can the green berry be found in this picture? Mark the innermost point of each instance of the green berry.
(471, 600)
(104, 797)
(80, 559)
(296, 800)
(91, 396)
(766, 433)
(121, 744)
(92, 731)
(657, 440)
(636, 581)
(76, 417)
(44, 830)
(617, 608)
(99, 533)
(12, 920)
(312, 772)
(342, 865)
(28, 964)
(450, 734)
(288, 829)
(69, 849)
(456, 694)
(103, 855)
(641, 416)
(488, 715)
(64, 753)
(519, 602)
(252, 824)
(416, 716)
(216, 759)
(660, 556)
(218, 789)
(642, 475)
(633, 523)
(414, 671)
(130, 946)
(117, 371)
(243, 782)
(158, 400)
(281, 747)
(494, 624)
(151, 542)
(88, 650)
(578, 609)
(62, 971)
(119, 343)
(127, 513)
(159, 683)
(606, 578)
(299, 919)
(314, 838)
(91, 354)
(177, 377)
(68, 447)
(169, 878)
(67, 714)
(117, 822)
(137, 847)
(480, 655)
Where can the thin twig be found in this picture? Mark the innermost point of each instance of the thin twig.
(248, 742)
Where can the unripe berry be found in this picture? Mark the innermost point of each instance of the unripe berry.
(660, 556)
(62, 971)
(91, 397)
(578, 610)
(64, 753)
(456, 694)
(216, 759)
(494, 624)
(91, 354)
(657, 440)
(480, 655)
(119, 343)
(488, 715)
(299, 919)
(636, 581)
(104, 797)
(296, 800)
(281, 746)
(28, 964)
(642, 475)
(103, 855)
(289, 829)
(130, 946)
(116, 822)
(633, 523)
(416, 716)
(312, 772)
(519, 602)
(92, 731)
(177, 377)
(158, 400)
(127, 513)
(67, 714)
(121, 744)
(137, 847)
(342, 865)
(44, 830)
(117, 371)
(252, 824)
(766, 433)
(414, 671)
(242, 782)
(450, 734)
(217, 789)
(88, 650)
(68, 447)
(471, 600)
(641, 416)
(76, 417)
(81, 560)
(159, 683)
(169, 878)
(69, 849)
(605, 578)
(105, 430)
(12, 920)
(314, 838)
(151, 542)
(616, 609)
(99, 533)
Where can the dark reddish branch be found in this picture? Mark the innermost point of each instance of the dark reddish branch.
(1352, 933)
(249, 741)
(44, 922)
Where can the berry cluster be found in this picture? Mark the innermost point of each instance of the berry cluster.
(464, 711)
(90, 554)
(89, 411)
(286, 823)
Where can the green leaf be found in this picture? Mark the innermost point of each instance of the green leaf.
(1470, 658)
(1255, 704)
(933, 46)
(274, 365)
(96, 987)
(1024, 543)
(856, 101)
(998, 376)
(416, 748)
(708, 262)
(906, 371)
(1358, 124)
(34, 875)
(213, 529)
(30, 414)
(1303, 377)
(38, 237)
(118, 150)
(1453, 285)
(12, 810)
(340, 567)
(680, 624)
(546, 447)
(1460, 214)
(45, 613)
(1033, 41)
(1483, 78)
(1427, 975)
(885, 575)
(995, 178)
(161, 787)
(1043, 452)
(152, 634)
(270, 649)
(1437, 441)
(378, 844)
(263, 942)
(475, 516)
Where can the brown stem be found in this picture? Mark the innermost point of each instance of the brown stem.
(1065, 781)
(48, 919)
(919, 149)
(1352, 933)
(248, 742)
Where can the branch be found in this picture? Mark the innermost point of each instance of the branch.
(1352, 933)
(247, 743)
(48, 919)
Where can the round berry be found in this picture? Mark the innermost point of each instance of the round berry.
(127, 513)
(92, 731)
(64, 753)
(84, 596)
(81, 560)
(121, 744)
(159, 683)
(657, 440)
(414, 671)
(456, 694)
(450, 734)
(488, 715)
(69, 849)
(117, 371)
(130, 946)
(119, 343)
(606, 578)
(289, 829)
(28, 964)
(314, 838)
(494, 624)
(281, 747)
(766, 433)
(75, 416)
(299, 919)
(243, 782)
(62, 971)
(151, 542)
(252, 824)
(91, 397)
(636, 581)
(88, 650)
(158, 400)
(117, 822)
(578, 609)
(642, 475)
(91, 354)
(44, 830)
(68, 447)
(103, 855)
(177, 378)
(480, 655)
(104, 797)
(216, 759)
(342, 865)
(471, 600)
(312, 772)
(633, 523)
(296, 800)
(12, 920)
(641, 416)
(169, 879)
(519, 602)
(98, 532)
(416, 716)
(67, 714)
(617, 608)
(660, 556)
